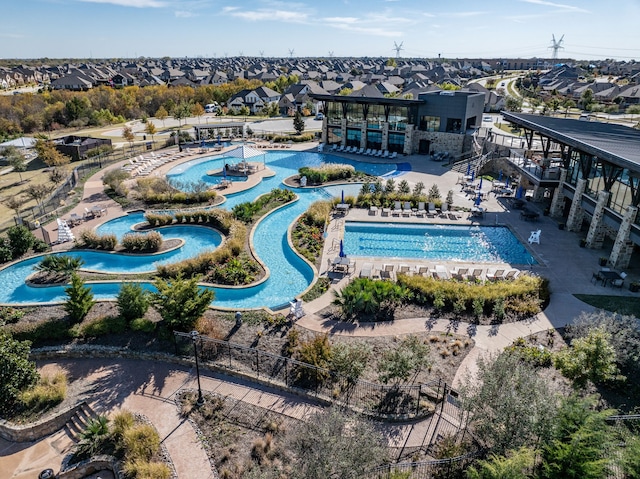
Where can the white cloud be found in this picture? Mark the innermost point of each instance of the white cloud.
(184, 14)
(347, 20)
(465, 14)
(263, 14)
(131, 3)
(560, 6)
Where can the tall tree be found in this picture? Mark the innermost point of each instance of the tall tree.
(181, 302)
(197, 110)
(79, 299)
(48, 153)
(150, 129)
(298, 123)
(162, 114)
(128, 135)
(181, 111)
(16, 159)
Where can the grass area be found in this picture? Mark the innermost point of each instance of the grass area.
(616, 304)
(508, 128)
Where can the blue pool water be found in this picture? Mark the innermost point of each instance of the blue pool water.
(289, 274)
(493, 244)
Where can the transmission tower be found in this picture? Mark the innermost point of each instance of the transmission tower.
(261, 53)
(330, 54)
(291, 52)
(556, 45)
(241, 53)
(398, 48)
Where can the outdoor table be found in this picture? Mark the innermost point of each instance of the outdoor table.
(342, 207)
(98, 210)
(340, 264)
(477, 211)
(529, 215)
(609, 276)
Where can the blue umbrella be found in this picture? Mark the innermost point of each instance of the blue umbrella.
(224, 171)
(342, 255)
(202, 144)
(480, 184)
(342, 197)
(473, 175)
(500, 176)
(519, 192)
(478, 199)
(468, 168)
(219, 138)
(506, 182)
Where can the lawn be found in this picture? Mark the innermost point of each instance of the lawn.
(616, 304)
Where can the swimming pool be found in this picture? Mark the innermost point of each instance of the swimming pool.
(473, 244)
(289, 274)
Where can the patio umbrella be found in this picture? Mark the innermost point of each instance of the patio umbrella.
(224, 171)
(473, 175)
(480, 184)
(342, 255)
(219, 139)
(468, 168)
(506, 182)
(342, 197)
(500, 176)
(478, 199)
(519, 192)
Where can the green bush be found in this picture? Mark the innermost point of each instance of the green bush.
(141, 442)
(92, 240)
(20, 240)
(39, 246)
(150, 241)
(155, 219)
(143, 325)
(99, 327)
(5, 250)
(317, 352)
(133, 301)
(39, 332)
(47, 393)
(327, 172)
(367, 299)
(17, 372)
(534, 355)
(181, 302)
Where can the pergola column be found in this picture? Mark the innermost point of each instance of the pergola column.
(363, 134)
(622, 247)
(576, 213)
(557, 202)
(343, 132)
(596, 234)
(538, 194)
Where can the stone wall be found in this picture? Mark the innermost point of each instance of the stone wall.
(440, 142)
(40, 429)
(91, 466)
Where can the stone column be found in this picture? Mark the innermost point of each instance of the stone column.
(363, 134)
(623, 248)
(596, 234)
(343, 129)
(576, 213)
(385, 136)
(408, 140)
(557, 202)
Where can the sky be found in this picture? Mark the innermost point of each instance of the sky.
(592, 29)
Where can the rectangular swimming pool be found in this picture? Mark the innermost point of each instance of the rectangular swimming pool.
(473, 244)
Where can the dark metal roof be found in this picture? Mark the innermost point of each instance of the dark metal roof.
(608, 141)
(370, 100)
(208, 126)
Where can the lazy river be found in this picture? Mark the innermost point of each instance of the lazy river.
(289, 275)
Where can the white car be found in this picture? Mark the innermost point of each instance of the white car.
(487, 118)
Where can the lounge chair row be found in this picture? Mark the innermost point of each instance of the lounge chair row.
(366, 152)
(424, 209)
(389, 271)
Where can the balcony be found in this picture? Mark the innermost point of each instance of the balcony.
(540, 172)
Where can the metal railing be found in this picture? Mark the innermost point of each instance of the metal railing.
(380, 400)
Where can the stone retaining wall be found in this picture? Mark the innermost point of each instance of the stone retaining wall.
(40, 429)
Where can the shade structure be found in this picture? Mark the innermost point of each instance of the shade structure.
(342, 255)
(244, 152)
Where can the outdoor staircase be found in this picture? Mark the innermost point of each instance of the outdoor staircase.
(79, 421)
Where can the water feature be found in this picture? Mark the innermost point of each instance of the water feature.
(289, 274)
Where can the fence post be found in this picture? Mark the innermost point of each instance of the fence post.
(229, 350)
(257, 363)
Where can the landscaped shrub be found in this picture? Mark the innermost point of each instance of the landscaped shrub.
(534, 355)
(366, 299)
(317, 175)
(238, 270)
(150, 241)
(133, 301)
(20, 240)
(47, 393)
(155, 219)
(98, 327)
(79, 299)
(5, 250)
(317, 352)
(91, 240)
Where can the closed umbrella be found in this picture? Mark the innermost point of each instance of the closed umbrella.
(500, 176)
(506, 182)
(519, 192)
(342, 197)
(478, 199)
(468, 168)
(342, 255)
(473, 175)
(480, 184)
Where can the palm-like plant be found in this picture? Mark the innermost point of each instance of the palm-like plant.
(60, 266)
(94, 438)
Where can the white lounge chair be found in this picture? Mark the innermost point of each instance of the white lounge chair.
(431, 209)
(534, 237)
(379, 153)
(360, 151)
(444, 209)
(618, 283)
(459, 273)
(296, 311)
(406, 209)
(334, 147)
(385, 154)
(421, 209)
(495, 274)
(397, 209)
(394, 155)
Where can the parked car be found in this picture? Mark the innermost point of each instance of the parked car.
(211, 108)
(319, 116)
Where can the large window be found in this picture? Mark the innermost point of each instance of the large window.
(334, 113)
(398, 118)
(454, 125)
(355, 115)
(375, 117)
(374, 140)
(353, 137)
(396, 142)
(430, 123)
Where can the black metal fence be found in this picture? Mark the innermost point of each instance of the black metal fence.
(452, 468)
(389, 401)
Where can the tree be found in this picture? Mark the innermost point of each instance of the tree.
(513, 104)
(418, 188)
(515, 465)
(150, 129)
(197, 110)
(128, 135)
(509, 405)
(20, 240)
(580, 439)
(350, 359)
(404, 188)
(334, 444)
(161, 114)
(133, 301)
(553, 104)
(79, 299)
(181, 111)
(591, 358)
(63, 266)
(409, 357)
(48, 153)
(16, 160)
(298, 123)
(181, 302)
(586, 99)
(38, 192)
(15, 203)
(57, 175)
(17, 373)
(390, 186)
(567, 105)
